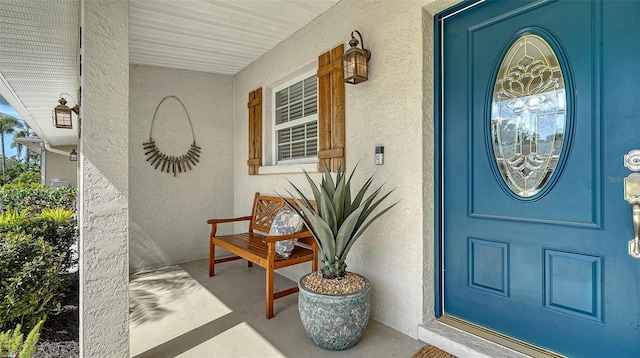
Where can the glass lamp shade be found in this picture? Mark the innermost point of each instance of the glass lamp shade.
(62, 115)
(355, 65)
(73, 156)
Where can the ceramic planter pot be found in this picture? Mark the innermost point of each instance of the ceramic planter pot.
(335, 322)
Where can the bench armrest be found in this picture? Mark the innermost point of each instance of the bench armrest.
(219, 221)
(276, 238)
(214, 223)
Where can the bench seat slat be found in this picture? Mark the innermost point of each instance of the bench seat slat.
(252, 243)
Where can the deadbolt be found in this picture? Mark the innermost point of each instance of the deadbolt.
(632, 160)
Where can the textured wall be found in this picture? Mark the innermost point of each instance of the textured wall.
(387, 110)
(103, 187)
(60, 167)
(168, 215)
(428, 135)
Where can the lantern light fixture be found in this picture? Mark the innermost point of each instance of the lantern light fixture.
(62, 113)
(356, 61)
(73, 156)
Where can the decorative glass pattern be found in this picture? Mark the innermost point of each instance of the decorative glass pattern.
(528, 115)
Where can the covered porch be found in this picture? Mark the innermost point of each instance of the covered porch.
(135, 220)
(179, 311)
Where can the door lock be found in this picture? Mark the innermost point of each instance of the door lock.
(632, 195)
(632, 160)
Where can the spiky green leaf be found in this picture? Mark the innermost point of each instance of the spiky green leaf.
(327, 182)
(348, 206)
(313, 186)
(370, 206)
(327, 212)
(323, 234)
(361, 193)
(298, 209)
(338, 201)
(338, 222)
(363, 228)
(346, 232)
(307, 203)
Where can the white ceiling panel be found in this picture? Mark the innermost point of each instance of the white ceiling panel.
(39, 44)
(39, 59)
(213, 36)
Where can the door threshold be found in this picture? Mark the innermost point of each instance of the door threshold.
(498, 338)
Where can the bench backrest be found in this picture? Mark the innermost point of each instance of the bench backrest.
(264, 211)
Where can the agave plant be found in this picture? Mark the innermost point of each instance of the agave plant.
(338, 221)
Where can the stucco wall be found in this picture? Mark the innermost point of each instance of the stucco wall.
(386, 110)
(59, 167)
(168, 215)
(103, 188)
(429, 206)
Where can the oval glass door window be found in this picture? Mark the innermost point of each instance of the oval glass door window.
(528, 115)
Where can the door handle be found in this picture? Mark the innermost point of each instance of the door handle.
(632, 195)
(634, 245)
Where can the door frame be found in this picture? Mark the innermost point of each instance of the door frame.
(438, 127)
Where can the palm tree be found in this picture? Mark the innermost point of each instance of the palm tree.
(23, 131)
(8, 125)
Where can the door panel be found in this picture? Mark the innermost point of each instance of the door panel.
(552, 269)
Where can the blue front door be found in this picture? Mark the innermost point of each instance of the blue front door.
(539, 105)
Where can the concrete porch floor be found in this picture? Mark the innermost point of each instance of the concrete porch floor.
(180, 311)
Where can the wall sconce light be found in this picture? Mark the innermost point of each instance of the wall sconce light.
(73, 156)
(356, 61)
(62, 113)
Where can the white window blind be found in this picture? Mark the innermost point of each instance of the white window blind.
(296, 121)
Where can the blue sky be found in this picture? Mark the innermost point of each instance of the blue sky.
(6, 108)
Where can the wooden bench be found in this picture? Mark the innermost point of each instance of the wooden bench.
(256, 246)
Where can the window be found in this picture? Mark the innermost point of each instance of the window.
(306, 120)
(295, 121)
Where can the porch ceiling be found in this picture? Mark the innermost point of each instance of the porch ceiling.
(40, 45)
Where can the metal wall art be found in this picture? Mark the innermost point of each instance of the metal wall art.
(169, 163)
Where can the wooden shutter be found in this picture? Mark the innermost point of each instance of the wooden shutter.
(331, 109)
(255, 131)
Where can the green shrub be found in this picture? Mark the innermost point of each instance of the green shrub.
(13, 344)
(59, 215)
(37, 251)
(12, 217)
(36, 198)
(21, 173)
(56, 226)
(29, 278)
(61, 235)
(27, 177)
